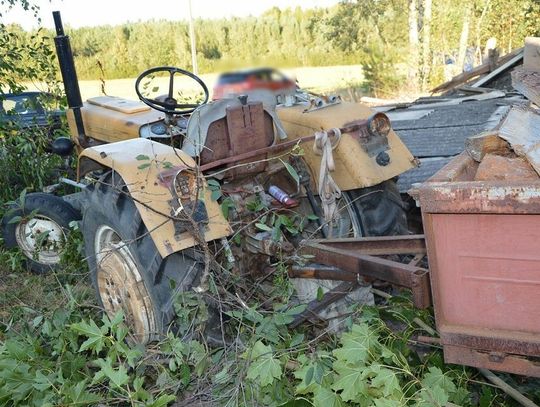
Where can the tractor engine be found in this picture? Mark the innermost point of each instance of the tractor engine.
(267, 213)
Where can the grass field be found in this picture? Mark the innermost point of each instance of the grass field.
(318, 79)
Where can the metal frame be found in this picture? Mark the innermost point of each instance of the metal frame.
(354, 261)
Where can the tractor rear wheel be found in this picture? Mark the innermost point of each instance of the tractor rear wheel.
(379, 210)
(371, 211)
(127, 271)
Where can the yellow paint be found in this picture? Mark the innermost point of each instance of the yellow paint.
(109, 124)
(151, 198)
(354, 167)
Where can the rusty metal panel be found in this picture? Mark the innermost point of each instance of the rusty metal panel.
(353, 262)
(506, 363)
(246, 124)
(482, 243)
(490, 264)
(379, 245)
(452, 190)
(245, 128)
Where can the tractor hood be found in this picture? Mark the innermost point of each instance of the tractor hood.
(358, 164)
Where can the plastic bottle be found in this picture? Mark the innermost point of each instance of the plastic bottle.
(281, 196)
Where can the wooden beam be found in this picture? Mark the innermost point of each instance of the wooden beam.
(527, 83)
(479, 70)
(498, 71)
(531, 58)
(486, 143)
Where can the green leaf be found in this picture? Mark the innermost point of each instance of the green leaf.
(435, 377)
(222, 376)
(292, 172)
(216, 194)
(309, 375)
(14, 219)
(351, 381)
(264, 368)
(117, 377)
(357, 344)
(140, 391)
(296, 340)
(387, 380)
(213, 183)
(320, 293)
(264, 227)
(162, 401)
(78, 395)
(142, 157)
(143, 166)
(41, 382)
(461, 396)
(389, 356)
(387, 403)
(117, 319)
(433, 397)
(95, 336)
(326, 398)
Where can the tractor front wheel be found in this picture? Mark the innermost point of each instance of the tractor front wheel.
(39, 228)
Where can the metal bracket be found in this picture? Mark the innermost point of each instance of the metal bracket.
(353, 257)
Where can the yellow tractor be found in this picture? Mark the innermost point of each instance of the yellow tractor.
(173, 190)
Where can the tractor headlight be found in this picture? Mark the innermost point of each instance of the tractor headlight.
(186, 207)
(185, 184)
(378, 124)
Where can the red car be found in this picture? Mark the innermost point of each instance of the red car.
(235, 83)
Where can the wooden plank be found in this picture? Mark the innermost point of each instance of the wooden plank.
(521, 129)
(531, 58)
(479, 70)
(462, 78)
(527, 83)
(456, 101)
(470, 89)
(504, 67)
(488, 142)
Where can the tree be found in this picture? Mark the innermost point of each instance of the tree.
(464, 37)
(426, 39)
(25, 56)
(413, 44)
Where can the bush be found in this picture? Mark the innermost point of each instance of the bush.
(25, 162)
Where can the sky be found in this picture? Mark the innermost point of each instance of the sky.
(80, 13)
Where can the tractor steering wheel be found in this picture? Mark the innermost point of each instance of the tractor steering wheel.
(170, 105)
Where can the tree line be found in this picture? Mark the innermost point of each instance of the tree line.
(397, 42)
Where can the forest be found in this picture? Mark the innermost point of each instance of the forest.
(393, 40)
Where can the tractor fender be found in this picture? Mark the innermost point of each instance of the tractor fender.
(141, 163)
